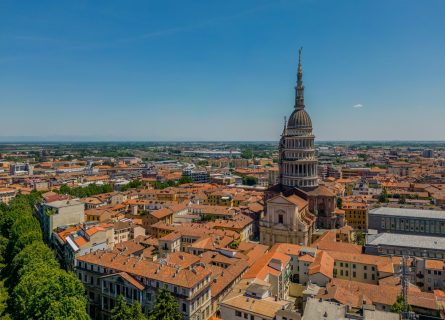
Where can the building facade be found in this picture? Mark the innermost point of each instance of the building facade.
(288, 220)
(356, 214)
(60, 213)
(407, 221)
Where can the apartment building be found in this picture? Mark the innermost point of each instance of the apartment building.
(356, 214)
(198, 176)
(71, 242)
(60, 213)
(20, 169)
(263, 291)
(106, 275)
(7, 194)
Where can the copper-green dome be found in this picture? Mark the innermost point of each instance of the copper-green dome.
(299, 119)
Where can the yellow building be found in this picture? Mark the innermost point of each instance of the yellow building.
(166, 195)
(348, 184)
(220, 199)
(356, 214)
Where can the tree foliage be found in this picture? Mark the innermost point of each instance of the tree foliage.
(38, 287)
(132, 185)
(398, 306)
(122, 310)
(339, 202)
(250, 180)
(247, 154)
(171, 183)
(185, 180)
(360, 237)
(88, 191)
(166, 307)
(384, 197)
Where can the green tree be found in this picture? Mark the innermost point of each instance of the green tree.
(247, 154)
(4, 296)
(38, 291)
(132, 185)
(339, 202)
(166, 307)
(402, 199)
(38, 288)
(122, 310)
(37, 253)
(398, 306)
(67, 308)
(360, 238)
(88, 191)
(208, 217)
(384, 196)
(185, 180)
(250, 181)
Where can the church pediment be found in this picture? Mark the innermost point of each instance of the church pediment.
(280, 199)
(292, 200)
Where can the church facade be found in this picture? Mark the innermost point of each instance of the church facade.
(297, 205)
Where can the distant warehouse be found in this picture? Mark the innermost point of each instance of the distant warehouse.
(407, 221)
(212, 153)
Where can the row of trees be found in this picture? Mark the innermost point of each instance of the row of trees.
(83, 192)
(171, 183)
(35, 287)
(165, 308)
(132, 185)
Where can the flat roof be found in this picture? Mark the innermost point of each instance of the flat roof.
(412, 213)
(63, 203)
(407, 240)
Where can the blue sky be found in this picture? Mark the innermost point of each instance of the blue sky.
(221, 70)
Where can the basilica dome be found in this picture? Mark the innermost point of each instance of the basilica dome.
(299, 119)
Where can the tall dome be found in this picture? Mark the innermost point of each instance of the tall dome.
(297, 160)
(299, 119)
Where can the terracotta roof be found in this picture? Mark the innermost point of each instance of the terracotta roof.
(371, 293)
(328, 242)
(323, 264)
(162, 213)
(261, 268)
(299, 202)
(321, 191)
(132, 280)
(434, 264)
(148, 269)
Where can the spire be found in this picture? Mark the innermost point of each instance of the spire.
(285, 125)
(299, 88)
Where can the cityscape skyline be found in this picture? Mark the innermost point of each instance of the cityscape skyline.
(144, 73)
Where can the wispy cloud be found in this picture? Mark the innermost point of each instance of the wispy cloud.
(141, 36)
(175, 30)
(359, 105)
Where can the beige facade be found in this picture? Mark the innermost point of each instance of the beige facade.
(7, 194)
(288, 220)
(60, 213)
